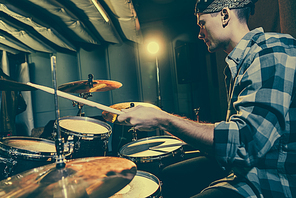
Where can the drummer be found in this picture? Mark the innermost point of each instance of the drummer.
(255, 146)
(12, 104)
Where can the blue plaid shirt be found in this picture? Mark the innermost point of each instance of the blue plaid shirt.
(257, 142)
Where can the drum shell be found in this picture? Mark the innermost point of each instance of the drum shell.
(85, 144)
(154, 164)
(23, 159)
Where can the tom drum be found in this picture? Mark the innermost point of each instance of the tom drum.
(23, 153)
(153, 153)
(89, 137)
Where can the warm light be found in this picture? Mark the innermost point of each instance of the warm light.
(101, 10)
(153, 47)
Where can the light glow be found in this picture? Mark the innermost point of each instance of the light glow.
(153, 47)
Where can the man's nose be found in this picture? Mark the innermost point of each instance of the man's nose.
(201, 35)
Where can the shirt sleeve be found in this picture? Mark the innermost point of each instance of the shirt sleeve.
(261, 98)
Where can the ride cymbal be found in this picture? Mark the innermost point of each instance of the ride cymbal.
(111, 117)
(85, 87)
(84, 177)
(9, 85)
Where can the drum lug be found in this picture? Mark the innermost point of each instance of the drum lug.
(160, 164)
(12, 152)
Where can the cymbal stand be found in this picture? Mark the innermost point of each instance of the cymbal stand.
(134, 133)
(79, 105)
(60, 160)
(84, 95)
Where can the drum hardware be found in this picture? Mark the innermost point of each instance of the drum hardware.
(6, 165)
(84, 95)
(196, 112)
(80, 105)
(134, 133)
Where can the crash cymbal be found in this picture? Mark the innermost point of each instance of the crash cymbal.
(83, 86)
(84, 177)
(9, 85)
(111, 117)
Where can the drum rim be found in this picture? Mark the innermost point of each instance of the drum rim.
(14, 152)
(86, 135)
(147, 175)
(150, 157)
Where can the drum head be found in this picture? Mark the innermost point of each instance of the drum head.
(144, 184)
(151, 147)
(83, 126)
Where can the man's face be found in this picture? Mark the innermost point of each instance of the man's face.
(210, 30)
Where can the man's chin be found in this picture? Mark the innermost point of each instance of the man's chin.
(211, 49)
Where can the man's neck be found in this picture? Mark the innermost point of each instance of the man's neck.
(236, 36)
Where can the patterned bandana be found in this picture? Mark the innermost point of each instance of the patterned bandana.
(210, 6)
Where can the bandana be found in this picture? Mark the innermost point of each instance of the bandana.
(211, 6)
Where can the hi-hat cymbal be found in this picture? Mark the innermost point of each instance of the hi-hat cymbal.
(83, 86)
(111, 117)
(84, 177)
(9, 85)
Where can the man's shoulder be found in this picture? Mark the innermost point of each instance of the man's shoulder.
(274, 39)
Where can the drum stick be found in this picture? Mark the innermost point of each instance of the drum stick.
(75, 98)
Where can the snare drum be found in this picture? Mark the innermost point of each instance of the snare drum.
(24, 153)
(88, 136)
(153, 153)
(144, 184)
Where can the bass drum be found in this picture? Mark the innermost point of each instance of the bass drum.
(23, 153)
(144, 184)
(153, 153)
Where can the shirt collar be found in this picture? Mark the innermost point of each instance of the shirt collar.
(240, 51)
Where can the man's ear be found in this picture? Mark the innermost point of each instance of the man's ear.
(225, 16)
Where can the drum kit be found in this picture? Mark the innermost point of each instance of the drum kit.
(75, 163)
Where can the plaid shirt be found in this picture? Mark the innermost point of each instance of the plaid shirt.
(257, 142)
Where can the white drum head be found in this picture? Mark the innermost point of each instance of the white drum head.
(143, 185)
(151, 147)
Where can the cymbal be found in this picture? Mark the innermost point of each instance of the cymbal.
(9, 85)
(111, 117)
(83, 86)
(83, 177)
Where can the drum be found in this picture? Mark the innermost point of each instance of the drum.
(153, 153)
(88, 136)
(144, 184)
(23, 153)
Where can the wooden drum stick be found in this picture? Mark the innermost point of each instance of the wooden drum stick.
(75, 98)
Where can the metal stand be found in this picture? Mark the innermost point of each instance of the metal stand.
(60, 160)
(159, 103)
(84, 96)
